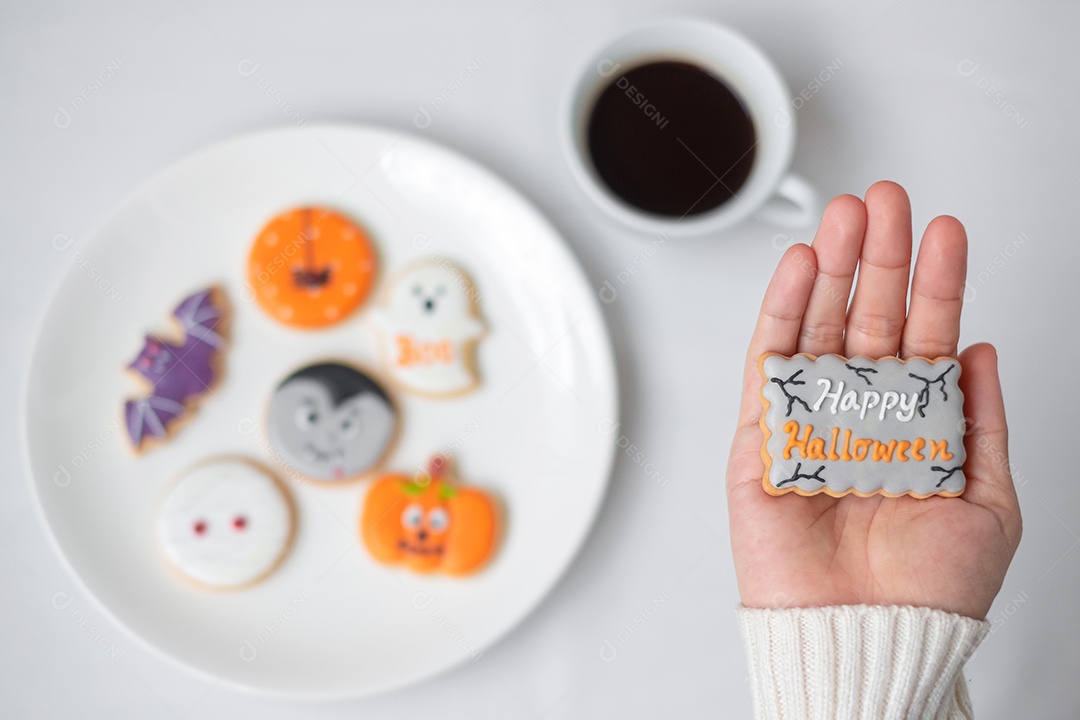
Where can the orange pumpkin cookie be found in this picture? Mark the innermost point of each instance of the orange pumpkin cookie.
(429, 524)
(311, 267)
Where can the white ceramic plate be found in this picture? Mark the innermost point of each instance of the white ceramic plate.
(330, 621)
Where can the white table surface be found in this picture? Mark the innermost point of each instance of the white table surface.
(964, 104)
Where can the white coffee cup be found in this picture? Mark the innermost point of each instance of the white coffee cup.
(770, 193)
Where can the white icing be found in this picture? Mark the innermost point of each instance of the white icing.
(843, 401)
(427, 324)
(216, 494)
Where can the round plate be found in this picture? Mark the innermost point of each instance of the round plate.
(329, 621)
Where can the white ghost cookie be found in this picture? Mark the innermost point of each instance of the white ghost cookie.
(226, 524)
(429, 326)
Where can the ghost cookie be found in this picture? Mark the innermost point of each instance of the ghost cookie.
(836, 425)
(310, 267)
(178, 372)
(331, 421)
(429, 326)
(429, 523)
(226, 524)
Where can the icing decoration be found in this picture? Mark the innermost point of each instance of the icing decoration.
(429, 523)
(429, 328)
(226, 524)
(178, 373)
(331, 421)
(311, 267)
(836, 425)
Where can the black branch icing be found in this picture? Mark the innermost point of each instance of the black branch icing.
(796, 476)
(949, 472)
(924, 394)
(791, 399)
(859, 371)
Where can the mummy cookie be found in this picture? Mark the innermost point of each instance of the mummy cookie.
(178, 373)
(311, 267)
(429, 523)
(331, 421)
(429, 327)
(226, 524)
(839, 426)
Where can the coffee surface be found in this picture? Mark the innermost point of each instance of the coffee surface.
(671, 139)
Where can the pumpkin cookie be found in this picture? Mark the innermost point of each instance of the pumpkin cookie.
(429, 524)
(311, 267)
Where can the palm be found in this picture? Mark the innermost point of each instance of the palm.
(948, 553)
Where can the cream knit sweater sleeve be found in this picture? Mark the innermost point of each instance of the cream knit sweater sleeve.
(859, 661)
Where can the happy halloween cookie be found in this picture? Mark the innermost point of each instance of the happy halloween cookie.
(332, 421)
(839, 426)
(429, 523)
(429, 325)
(311, 267)
(226, 524)
(178, 373)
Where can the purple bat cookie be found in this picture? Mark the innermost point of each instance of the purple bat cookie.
(177, 373)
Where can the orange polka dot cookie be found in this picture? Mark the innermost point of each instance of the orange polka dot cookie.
(311, 267)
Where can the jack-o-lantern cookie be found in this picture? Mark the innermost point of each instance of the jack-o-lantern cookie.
(429, 326)
(428, 523)
(311, 267)
(332, 421)
(226, 524)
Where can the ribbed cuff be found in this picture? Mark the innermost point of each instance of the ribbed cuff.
(859, 661)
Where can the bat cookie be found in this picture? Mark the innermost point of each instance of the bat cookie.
(429, 327)
(225, 524)
(429, 523)
(837, 425)
(178, 373)
(310, 267)
(331, 421)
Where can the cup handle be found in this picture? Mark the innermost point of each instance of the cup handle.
(794, 204)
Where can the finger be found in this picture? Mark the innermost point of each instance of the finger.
(932, 328)
(778, 322)
(836, 246)
(989, 477)
(876, 318)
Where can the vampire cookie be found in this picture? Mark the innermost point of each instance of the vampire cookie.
(331, 421)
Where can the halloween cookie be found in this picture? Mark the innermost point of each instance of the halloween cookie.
(226, 524)
(332, 421)
(429, 326)
(311, 267)
(179, 372)
(429, 523)
(838, 426)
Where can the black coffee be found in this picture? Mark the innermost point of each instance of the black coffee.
(671, 139)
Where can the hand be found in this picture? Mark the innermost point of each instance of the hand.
(946, 553)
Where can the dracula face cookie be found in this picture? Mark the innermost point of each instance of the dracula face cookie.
(178, 373)
(429, 326)
(226, 524)
(311, 267)
(331, 421)
(429, 523)
(837, 425)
